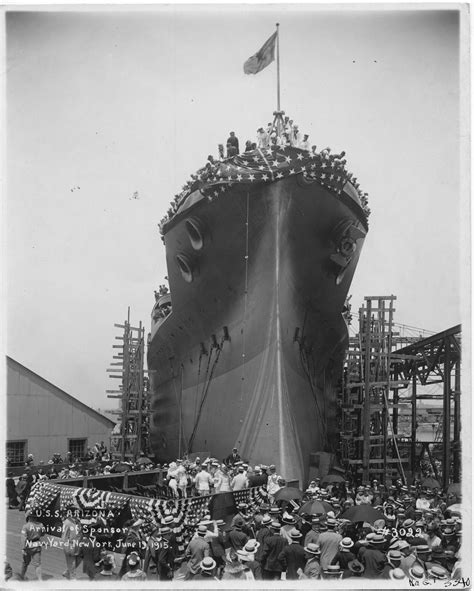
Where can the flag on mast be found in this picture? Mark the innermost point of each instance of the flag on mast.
(264, 56)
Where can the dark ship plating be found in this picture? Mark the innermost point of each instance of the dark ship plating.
(247, 348)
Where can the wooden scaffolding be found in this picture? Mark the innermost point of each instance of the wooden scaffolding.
(369, 400)
(131, 435)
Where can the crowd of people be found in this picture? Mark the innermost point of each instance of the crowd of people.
(287, 134)
(332, 530)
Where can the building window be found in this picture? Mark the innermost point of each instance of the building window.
(77, 448)
(16, 453)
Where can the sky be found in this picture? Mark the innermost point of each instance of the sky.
(105, 104)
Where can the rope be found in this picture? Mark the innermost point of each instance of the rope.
(244, 326)
(309, 375)
(205, 393)
(197, 384)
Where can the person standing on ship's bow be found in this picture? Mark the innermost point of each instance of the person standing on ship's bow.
(232, 141)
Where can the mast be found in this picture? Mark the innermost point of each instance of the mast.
(278, 123)
(278, 66)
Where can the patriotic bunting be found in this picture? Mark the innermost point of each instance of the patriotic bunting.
(187, 513)
(268, 165)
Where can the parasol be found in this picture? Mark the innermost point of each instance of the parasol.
(315, 508)
(362, 513)
(288, 493)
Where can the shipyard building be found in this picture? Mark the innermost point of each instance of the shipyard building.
(42, 419)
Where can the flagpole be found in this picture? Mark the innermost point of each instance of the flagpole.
(278, 66)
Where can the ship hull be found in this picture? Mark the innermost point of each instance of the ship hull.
(252, 352)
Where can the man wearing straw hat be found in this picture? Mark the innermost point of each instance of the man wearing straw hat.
(274, 544)
(292, 557)
(329, 543)
(207, 570)
(312, 568)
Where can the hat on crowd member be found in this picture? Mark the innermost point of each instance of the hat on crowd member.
(403, 545)
(163, 530)
(266, 520)
(423, 549)
(395, 544)
(408, 523)
(201, 530)
(313, 549)
(438, 572)
(333, 570)
(168, 520)
(295, 534)
(448, 531)
(257, 469)
(275, 525)
(241, 469)
(377, 539)
(417, 572)
(323, 526)
(288, 519)
(397, 574)
(315, 519)
(394, 555)
(244, 556)
(264, 507)
(274, 510)
(346, 543)
(331, 523)
(272, 468)
(133, 559)
(207, 564)
(356, 567)
(242, 506)
(251, 546)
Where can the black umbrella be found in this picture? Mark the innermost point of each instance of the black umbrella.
(362, 513)
(315, 508)
(288, 493)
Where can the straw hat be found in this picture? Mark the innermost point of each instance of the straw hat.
(438, 572)
(251, 546)
(356, 567)
(417, 572)
(397, 574)
(346, 543)
(207, 563)
(313, 549)
(333, 570)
